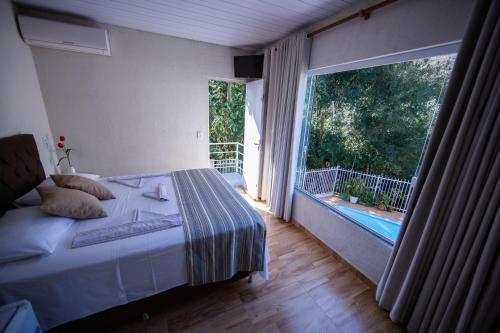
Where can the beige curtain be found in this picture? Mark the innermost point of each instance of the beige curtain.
(285, 74)
(444, 272)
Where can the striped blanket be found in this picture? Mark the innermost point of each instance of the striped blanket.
(224, 234)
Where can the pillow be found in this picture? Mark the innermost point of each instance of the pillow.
(28, 232)
(32, 198)
(70, 203)
(90, 186)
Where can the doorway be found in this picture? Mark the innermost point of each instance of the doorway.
(235, 127)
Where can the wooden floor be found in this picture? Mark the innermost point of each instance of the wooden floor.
(310, 290)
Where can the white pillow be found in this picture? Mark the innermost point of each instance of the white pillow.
(32, 198)
(28, 232)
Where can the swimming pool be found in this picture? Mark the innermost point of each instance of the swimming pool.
(386, 228)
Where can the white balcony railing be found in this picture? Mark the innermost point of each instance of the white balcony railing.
(227, 157)
(329, 181)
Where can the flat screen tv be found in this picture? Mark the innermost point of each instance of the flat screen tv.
(248, 66)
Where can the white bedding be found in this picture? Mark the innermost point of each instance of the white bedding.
(74, 283)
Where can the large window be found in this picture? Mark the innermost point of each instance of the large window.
(364, 135)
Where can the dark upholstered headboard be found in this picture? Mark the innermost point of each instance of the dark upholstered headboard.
(20, 168)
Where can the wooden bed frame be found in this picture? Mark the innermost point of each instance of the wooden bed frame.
(20, 168)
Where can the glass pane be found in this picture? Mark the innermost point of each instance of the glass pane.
(364, 135)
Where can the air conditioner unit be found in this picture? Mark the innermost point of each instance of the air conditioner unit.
(64, 36)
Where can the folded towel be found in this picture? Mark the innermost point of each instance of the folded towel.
(160, 194)
(146, 215)
(143, 222)
(132, 182)
(135, 181)
(153, 195)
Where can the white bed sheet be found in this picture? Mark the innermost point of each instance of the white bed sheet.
(74, 283)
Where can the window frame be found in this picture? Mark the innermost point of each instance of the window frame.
(445, 49)
(389, 59)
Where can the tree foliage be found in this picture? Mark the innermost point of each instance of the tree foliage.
(376, 119)
(226, 111)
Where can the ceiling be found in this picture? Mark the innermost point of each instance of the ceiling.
(239, 23)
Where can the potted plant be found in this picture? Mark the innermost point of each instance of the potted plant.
(354, 189)
(384, 202)
(367, 197)
(66, 152)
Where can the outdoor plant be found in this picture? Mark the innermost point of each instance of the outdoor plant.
(367, 197)
(354, 189)
(376, 119)
(344, 196)
(384, 202)
(226, 111)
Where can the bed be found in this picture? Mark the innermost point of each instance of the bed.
(72, 283)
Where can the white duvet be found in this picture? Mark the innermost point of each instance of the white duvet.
(72, 283)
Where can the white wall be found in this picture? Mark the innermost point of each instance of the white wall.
(138, 110)
(401, 26)
(21, 104)
(362, 249)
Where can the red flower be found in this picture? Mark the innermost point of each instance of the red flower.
(62, 138)
(60, 145)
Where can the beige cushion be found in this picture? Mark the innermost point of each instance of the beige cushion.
(90, 186)
(70, 203)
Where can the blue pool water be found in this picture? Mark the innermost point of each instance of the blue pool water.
(384, 227)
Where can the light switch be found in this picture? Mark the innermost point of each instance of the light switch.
(199, 135)
(45, 141)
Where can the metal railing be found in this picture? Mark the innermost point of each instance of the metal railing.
(329, 181)
(226, 157)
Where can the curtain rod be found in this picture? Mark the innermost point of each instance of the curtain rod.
(364, 13)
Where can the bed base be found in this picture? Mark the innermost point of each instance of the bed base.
(145, 308)
(146, 316)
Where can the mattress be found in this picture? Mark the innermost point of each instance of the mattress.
(72, 283)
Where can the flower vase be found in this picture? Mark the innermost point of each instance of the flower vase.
(71, 169)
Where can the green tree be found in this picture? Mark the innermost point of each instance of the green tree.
(376, 119)
(226, 111)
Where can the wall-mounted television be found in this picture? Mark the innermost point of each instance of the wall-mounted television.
(248, 66)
